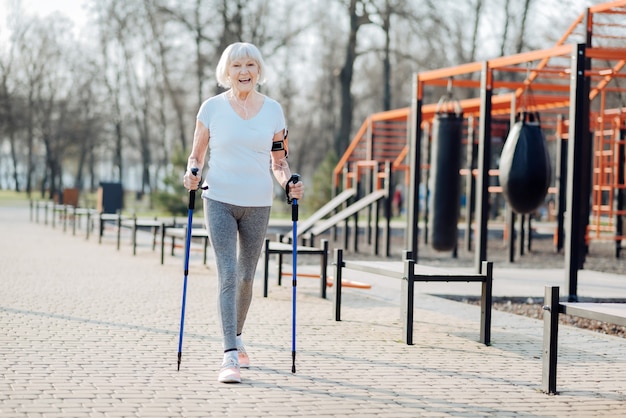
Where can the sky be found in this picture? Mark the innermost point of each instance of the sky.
(73, 9)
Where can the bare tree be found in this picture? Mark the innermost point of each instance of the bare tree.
(505, 31)
(173, 91)
(358, 16)
(9, 101)
(519, 44)
(475, 30)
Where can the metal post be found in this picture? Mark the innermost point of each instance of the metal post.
(484, 162)
(119, 228)
(561, 182)
(134, 238)
(522, 233)
(530, 232)
(470, 184)
(486, 300)
(621, 192)
(338, 268)
(74, 220)
(511, 227)
(64, 217)
(426, 145)
(389, 176)
(266, 272)
(415, 161)
(407, 298)
(577, 178)
(550, 339)
(323, 267)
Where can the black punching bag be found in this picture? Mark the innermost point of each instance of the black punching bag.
(525, 169)
(445, 181)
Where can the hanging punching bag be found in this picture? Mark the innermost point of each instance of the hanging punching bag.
(445, 181)
(525, 169)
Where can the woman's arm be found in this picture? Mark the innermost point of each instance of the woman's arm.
(196, 158)
(281, 171)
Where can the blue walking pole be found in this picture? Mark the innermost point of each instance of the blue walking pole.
(192, 200)
(294, 262)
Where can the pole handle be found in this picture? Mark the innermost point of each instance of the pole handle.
(192, 193)
(293, 202)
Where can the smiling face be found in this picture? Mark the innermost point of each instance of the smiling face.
(235, 60)
(243, 74)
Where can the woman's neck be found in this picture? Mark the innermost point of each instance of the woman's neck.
(242, 96)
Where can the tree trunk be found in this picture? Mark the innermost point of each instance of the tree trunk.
(387, 58)
(519, 46)
(342, 140)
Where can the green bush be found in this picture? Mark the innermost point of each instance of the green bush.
(322, 184)
(174, 198)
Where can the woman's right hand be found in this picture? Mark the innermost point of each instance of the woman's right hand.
(190, 181)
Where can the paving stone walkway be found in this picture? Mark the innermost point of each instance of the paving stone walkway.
(90, 331)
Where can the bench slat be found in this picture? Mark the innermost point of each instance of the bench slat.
(278, 247)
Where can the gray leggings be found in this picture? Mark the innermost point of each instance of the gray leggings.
(228, 224)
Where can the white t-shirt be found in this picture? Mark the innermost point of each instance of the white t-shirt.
(239, 161)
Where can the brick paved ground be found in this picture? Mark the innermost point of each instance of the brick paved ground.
(91, 331)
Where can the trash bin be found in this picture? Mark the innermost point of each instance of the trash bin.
(110, 197)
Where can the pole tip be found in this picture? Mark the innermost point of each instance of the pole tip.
(179, 356)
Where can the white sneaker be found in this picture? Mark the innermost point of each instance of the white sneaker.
(229, 373)
(244, 360)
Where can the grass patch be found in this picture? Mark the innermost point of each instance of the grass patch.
(13, 198)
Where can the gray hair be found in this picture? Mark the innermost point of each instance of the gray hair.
(234, 52)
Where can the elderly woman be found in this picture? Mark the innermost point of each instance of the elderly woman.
(245, 133)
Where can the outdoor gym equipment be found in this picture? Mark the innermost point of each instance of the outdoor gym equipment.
(525, 169)
(445, 186)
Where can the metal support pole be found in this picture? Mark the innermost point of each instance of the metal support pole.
(486, 302)
(550, 339)
(415, 157)
(338, 270)
(484, 160)
(470, 184)
(389, 176)
(323, 267)
(511, 227)
(621, 192)
(577, 178)
(407, 298)
(561, 182)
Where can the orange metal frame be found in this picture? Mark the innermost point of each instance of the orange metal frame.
(544, 85)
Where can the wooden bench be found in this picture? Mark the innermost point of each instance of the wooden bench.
(614, 313)
(174, 232)
(412, 273)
